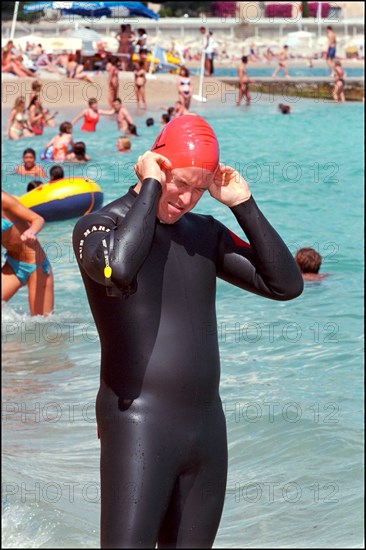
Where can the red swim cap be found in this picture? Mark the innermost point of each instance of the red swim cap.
(187, 141)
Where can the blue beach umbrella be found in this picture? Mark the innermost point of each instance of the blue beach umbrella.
(96, 9)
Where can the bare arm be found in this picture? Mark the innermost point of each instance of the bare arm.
(42, 173)
(77, 118)
(32, 117)
(127, 115)
(12, 205)
(108, 113)
(51, 117)
(50, 143)
(10, 121)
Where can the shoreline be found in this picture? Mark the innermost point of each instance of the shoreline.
(296, 62)
(161, 89)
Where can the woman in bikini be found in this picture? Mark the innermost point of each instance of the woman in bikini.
(26, 262)
(185, 87)
(339, 75)
(17, 125)
(91, 116)
(140, 81)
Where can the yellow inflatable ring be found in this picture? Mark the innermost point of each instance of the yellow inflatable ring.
(64, 199)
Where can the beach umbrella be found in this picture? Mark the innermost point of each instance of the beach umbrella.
(88, 38)
(300, 39)
(62, 43)
(94, 9)
(133, 8)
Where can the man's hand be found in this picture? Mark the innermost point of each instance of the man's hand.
(152, 165)
(229, 187)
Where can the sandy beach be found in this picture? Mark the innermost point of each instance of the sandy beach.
(58, 91)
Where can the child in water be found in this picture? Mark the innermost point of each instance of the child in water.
(29, 166)
(123, 144)
(60, 143)
(78, 153)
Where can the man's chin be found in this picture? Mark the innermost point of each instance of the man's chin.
(169, 219)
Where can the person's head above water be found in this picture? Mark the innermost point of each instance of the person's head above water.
(188, 141)
(309, 262)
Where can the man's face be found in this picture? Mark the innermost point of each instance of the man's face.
(181, 192)
(117, 106)
(29, 161)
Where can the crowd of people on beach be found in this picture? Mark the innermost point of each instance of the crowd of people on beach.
(131, 46)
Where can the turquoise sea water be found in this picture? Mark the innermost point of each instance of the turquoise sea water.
(292, 71)
(292, 372)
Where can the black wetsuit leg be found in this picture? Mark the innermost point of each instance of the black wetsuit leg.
(161, 480)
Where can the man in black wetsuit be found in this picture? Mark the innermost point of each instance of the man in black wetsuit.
(149, 267)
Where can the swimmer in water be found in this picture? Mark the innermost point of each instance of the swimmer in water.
(61, 143)
(123, 144)
(149, 266)
(285, 109)
(309, 262)
(122, 115)
(29, 166)
(91, 116)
